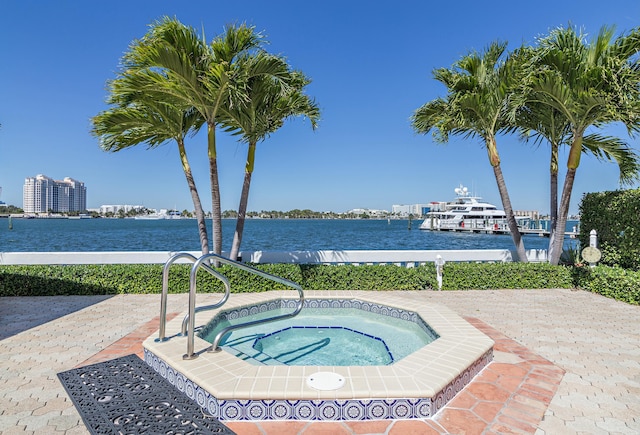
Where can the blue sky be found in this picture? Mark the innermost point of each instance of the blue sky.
(371, 66)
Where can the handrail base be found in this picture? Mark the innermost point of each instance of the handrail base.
(187, 357)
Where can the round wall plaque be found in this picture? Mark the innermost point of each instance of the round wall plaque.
(591, 254)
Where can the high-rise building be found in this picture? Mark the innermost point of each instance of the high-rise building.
(412, 209)
(42, 194)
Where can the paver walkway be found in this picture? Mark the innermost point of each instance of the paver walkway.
(511, 395)
(595, 340)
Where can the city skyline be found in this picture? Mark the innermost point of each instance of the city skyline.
(416, 209)
(370, 65)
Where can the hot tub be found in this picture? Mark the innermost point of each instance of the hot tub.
(230, 387)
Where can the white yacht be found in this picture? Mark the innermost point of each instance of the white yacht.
(465, 213)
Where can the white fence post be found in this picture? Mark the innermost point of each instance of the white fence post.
(439, 270)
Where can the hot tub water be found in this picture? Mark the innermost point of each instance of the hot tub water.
(322, 337)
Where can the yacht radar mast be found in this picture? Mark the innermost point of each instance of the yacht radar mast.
(461, 191)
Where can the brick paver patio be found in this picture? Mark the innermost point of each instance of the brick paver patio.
(566, 362)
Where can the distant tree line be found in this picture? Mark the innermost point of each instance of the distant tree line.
(296, 214)
(227, 214)
(10, 209)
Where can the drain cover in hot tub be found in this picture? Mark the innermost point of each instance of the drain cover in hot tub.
(325, 381)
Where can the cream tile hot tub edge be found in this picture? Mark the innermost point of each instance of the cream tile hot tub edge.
(426, 372)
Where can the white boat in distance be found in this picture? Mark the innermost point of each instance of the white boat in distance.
(164, 214)
(467, 213)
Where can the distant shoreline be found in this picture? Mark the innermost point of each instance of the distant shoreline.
(19, 216)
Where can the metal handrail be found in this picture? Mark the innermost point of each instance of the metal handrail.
(165, 291)
(192, 283)
(192, 292)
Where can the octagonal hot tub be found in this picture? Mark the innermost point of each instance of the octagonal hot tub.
(246, 383)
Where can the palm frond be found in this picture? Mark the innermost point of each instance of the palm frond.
(610, 148)
(268, 100)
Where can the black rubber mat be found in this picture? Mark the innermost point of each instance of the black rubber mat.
(126, 396)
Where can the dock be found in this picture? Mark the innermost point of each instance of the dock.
(505, 230)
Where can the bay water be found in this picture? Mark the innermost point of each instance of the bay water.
(61, 235)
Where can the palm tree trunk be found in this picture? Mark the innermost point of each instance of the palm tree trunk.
(195, 197)
(555, 249)
(511, 220)
(242, 213)
(553, 210)
(216, 210)
(553, 192)
(553, 203)
(573, 161)
(494, 159)
(244, 199)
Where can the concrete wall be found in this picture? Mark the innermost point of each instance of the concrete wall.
(401, 258)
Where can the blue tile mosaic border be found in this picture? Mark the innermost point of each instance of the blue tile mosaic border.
(316, 410)
(247, 310)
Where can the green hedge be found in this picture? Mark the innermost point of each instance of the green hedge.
(615, 215)
(81, 279)
(48, 280)
(612, 282)
(368, 277)
(468, 276)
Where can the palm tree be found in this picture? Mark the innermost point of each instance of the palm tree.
(543, 123)
(264, 112)
(476, 106)
(200, 75)
(540, 123)
(590, 84)
(138, 119)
